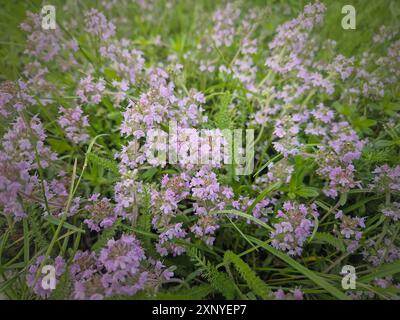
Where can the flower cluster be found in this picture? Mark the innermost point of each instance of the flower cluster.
(293, 39)
(41, 44)
(97, 24)
(90, 91)
(102, 214)
(56, 191)
(128, 63)
(336, 161)
(392, 211)
(296, 294)
(381, 251)
(14, 97)
(386, 179)
(280, 171)
(121, 268)
(74, 123)
(294, 226)
(224, 25)
(165, 244)
(350, 229)
(22, 151)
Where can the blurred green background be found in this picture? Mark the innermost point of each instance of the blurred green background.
(371, 14)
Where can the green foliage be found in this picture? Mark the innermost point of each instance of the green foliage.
(242, 263)
(218, 280)
(63, 287)
(38, 237)
(103, 162)
(323, 237)
(223, 116)
(255, 284)
(144, 220)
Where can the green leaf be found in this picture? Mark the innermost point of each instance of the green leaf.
(108, 164)
(223, 118)
(257, 285)
(150, 173)
(307, 192)
(343, 199)
(262, 195)
(384, 270)
(246, 216)
(66, 225)
(218, 280)
(324, 237)
(58, 145)
(307, 272)
(63, 287)
(110, 74)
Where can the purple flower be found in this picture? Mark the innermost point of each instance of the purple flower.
(165, 244)
(97, 24)
(74, 123)
(295, 294)
(102, 214)
(350, 230)
(121, 259)
(89, 91)
(294, 227)
(84, 265)
(386, 179)
(20, 147)
(392, 211)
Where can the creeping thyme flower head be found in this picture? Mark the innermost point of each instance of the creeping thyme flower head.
(97, 24)
(90, 289)
(260, 211)
(121, 259)
(205, 228)
(102, 214)
(14, 97)
(84, 265)
(125, 253)
(336, 161)
(377, 252)
(121, 268)
(166, 245)
(173, 190)
(224, 25)
(23, 140)
(22, 149)
(293, 36)
(350, 229)
(392, 211)
(294, 226)
(295, 294)
(57, 194)
(90, 90)
(128, 62)
(386, 179)
(41, 44)
(74, 123)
